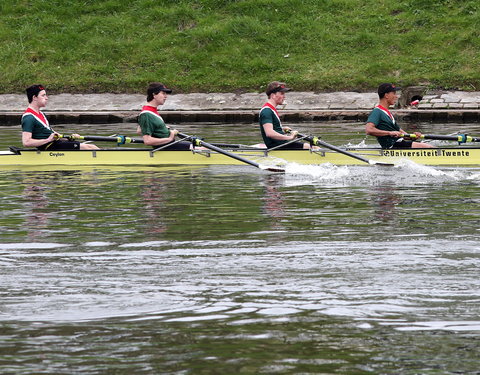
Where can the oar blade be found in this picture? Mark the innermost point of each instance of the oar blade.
(274, 169)
(381, 163)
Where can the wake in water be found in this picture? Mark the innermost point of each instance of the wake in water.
(405, 173)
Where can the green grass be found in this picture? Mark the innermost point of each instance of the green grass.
(238, 45)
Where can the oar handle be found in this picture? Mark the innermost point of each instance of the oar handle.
(460, 138)
(119, 139)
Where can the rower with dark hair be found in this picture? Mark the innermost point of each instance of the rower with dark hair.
(36, 131)
(273, 134)
(382, 124)
(151, 125)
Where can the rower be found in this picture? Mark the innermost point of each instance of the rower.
(382, 124)
(36, 131)
(151, 125)
(273, 134)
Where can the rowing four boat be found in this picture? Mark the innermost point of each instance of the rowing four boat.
(448, 156)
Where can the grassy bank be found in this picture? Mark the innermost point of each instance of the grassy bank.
(229, 45)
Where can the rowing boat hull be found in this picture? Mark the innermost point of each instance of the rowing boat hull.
(465, 156)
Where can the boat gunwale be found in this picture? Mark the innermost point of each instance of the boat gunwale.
(15, 150)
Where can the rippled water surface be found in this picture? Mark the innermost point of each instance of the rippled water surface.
(234, 270)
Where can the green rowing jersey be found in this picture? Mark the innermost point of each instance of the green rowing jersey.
(268, 115)
(36, 123)
(384, 120)
(152, 123)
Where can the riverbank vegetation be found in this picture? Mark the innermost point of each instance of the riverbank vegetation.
(238, 45)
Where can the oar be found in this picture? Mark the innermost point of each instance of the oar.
(460, 138)
(317, 142)
(119, 139)
(200, 143)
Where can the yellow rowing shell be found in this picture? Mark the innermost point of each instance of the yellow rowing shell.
(458, 156)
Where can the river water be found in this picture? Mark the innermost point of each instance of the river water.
(234, 270)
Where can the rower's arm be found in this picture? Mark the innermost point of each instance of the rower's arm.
(28, 141)
(153, 141)
(371, 129)
(270, 133)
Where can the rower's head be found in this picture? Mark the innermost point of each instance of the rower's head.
(386, 88)
(276, 91)
(38, 94)
(156, 88)
(388, 91)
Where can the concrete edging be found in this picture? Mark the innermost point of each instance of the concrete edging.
(441, 106)
(246, 116)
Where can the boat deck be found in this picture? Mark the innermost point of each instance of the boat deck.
(461, 156)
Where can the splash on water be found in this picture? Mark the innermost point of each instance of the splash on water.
(404, 173)
(361, 144)
(474, 177)
(428, 174)
(427, 171)
(325, 172)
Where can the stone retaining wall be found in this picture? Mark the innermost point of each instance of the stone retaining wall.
(455, 106)
(172, 117)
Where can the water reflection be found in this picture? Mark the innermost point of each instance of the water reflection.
(154, 196)
(273, 201)
(39, 207)
(36, 203)
(385, 199)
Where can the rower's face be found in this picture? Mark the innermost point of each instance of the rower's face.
(41, 99)
(391, 97)
(278, 97)
(161, 97)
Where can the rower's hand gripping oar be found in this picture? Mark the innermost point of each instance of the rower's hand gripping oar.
(317, 142)
(460, 138)
(200, 143)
